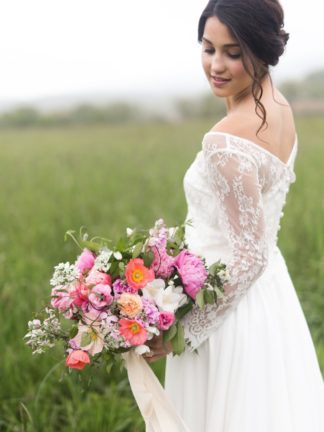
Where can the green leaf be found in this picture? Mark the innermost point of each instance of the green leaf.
(85, 339)
(200, 298)
(137, 250)
(183, 310)
(209, 297)
(95, 247)
(169, 334)
(219, 293)
(148, 258)
(122, 244)
(73, 331)
(109, 366)
(178, 342)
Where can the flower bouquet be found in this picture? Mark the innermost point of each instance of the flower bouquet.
(114, 299)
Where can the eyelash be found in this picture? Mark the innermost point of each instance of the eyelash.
(232, 56)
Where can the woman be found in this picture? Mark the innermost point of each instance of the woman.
(250, 365)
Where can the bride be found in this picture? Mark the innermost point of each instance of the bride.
(250, 363)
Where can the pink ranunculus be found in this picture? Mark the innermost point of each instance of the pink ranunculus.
(80, 294)
(192, 272)
(166, 319)
(133, 331)
(77, 359)
(85, 261)
(163, 264)
(100, 296)
(96, 277)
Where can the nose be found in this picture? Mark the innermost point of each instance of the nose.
(217, 63)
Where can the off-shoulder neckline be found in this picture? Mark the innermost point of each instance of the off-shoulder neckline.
(285, 164)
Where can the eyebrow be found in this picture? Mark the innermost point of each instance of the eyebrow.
(226, 45)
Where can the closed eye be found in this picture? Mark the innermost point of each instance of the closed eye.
(232, 56)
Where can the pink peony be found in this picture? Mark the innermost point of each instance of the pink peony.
(192, 272)
(85, 261)
(100, 296)
(166, 319)
(163, 264)
(96, 277)
(77, 359)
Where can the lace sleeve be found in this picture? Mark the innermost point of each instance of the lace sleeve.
(233, 177)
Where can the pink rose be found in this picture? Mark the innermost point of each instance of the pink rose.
(166, 319)
(85, 261)
(100, 296)
(96, 277)
(77, 359)
(192, 272)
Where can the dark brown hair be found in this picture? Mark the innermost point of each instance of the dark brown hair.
(257, 25)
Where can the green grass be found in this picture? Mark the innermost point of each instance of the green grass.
(108, 178)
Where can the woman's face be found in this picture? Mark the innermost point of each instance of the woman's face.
(222, 60)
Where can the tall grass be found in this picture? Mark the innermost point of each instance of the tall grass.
(108, 178)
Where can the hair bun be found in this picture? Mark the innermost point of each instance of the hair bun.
(284, 36)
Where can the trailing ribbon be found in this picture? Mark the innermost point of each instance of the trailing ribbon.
(158, 412)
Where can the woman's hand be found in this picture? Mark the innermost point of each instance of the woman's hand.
(159, 349)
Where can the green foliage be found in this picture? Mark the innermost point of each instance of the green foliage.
(108, 178)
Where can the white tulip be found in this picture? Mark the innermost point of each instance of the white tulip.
(170, 299)
(152, 289)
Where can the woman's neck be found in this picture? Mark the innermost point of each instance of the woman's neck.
(245, 97)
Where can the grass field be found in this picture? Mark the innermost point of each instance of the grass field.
(108, 178)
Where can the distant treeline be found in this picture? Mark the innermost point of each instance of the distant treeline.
(306, 97)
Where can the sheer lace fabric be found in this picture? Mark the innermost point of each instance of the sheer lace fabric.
(235, 198)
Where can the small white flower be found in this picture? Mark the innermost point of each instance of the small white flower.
(152, 289)
(64, 273)
(101, 262)
(142, 349)
(153, 330)
(129, 231)
(172, 230)
(224, 275)
(118, 255)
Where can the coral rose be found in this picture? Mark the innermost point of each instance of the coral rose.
(133, 331)
(130, 304)
(77, 359)
(137, 275)
(192, 272)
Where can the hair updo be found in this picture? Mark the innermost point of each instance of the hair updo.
(257, 25)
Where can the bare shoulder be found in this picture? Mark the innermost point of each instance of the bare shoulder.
(239, 124)
(277, 136)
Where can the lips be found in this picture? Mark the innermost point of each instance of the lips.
(219, 81)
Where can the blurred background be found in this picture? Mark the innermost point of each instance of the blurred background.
(103, 106)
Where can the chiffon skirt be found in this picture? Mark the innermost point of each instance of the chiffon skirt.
(258, 372)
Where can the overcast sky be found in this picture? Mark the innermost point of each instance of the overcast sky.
(57, 47)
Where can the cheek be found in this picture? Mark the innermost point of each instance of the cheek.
(205, 61)
(237, 69)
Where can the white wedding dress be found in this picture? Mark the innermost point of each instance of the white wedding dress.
(255, 369)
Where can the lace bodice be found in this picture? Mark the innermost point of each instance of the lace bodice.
(235, 191)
